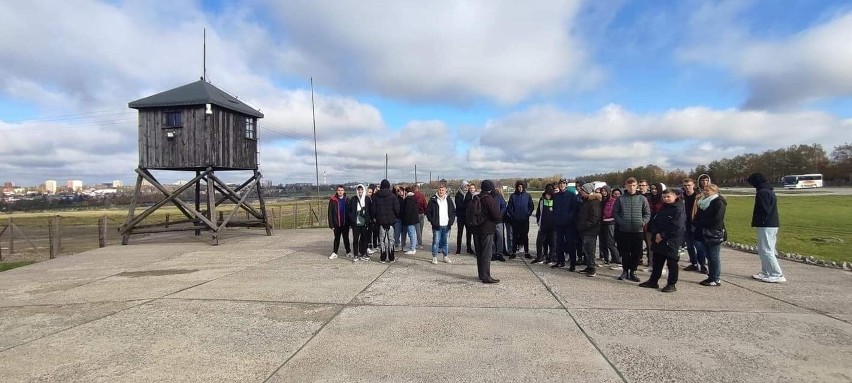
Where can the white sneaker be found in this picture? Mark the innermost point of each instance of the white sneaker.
(332, 256)
(778, 279)
(616, 267)
(371, 251)
(349, 255)
(356, 259)
(434, 260)
(447, 259)
(759, 276)
(410, 252)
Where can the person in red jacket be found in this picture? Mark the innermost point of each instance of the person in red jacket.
(421, 213)
(337, 221)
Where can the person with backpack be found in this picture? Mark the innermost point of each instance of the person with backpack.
(337, 221)
(482, 215)
(359, 220)
(384, 212)
(519, 210)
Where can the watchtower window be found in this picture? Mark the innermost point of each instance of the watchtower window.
(173, 120)
(251, 128)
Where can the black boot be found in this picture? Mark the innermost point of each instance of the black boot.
(537, 260)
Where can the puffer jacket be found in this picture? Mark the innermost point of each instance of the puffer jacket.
(712, 218)
(589, 215)
(670, 223)
(631, 213)
(385, 207)
(410, 210)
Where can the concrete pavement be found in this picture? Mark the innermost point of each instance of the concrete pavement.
(275, 309)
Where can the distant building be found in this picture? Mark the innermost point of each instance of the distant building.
(74, 185)
(50, 186)
(117, 184)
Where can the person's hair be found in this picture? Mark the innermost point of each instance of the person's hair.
(415, 187)
(360, 187)
(645, 181)
(713, 188)
(341, 187)
(397, 189)
(687, 179)
(616, 190)
(630, 180)
(408, 189)
(671, 191)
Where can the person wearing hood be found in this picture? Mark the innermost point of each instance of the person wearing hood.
(608, 250)
(441, 212)
(384, 212)
(338, 222)
(519, 210)
(764, 219)
(589, 225)
(374, 231)
(359, 220)
(667, 230)
(463, 196)
(544, 244)
(410, 218)
(655, 202)
(485, 232)
(710, 219)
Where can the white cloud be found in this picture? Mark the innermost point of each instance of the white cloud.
(781, 72)
(440, 50)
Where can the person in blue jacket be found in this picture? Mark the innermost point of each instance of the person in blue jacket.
(519, 211)
(565, 205)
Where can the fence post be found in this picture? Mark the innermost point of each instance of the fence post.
(53, 233)
(295, 215)
(168, 216)
(102, 231)
(11, 237)
(58, 232)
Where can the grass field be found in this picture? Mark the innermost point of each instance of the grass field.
(810, 225)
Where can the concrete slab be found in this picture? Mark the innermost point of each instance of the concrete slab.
(420, 344)
(298, 277)
(417, 282)
(172, 340)
(23, 324)
(668, 346)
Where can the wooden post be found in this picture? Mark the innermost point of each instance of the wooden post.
(211, 206)
(125, 238)
(58, 232)
(197, 197)
(53, 233)
(221, 217)
(102, 231)
(167, 219)
(295, 215)
(11, 237)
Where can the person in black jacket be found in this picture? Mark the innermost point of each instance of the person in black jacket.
(519, 209)
(565, 206)
(545, 240)
(589, 225)
(461, 204)
(765, 220)
(484, 233)
(709, 219)
(384, 212)
(441, 212)
(359, 219)
(409, 215)
(337, 221)
(667, 230)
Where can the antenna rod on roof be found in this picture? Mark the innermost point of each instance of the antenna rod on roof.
(204, 57)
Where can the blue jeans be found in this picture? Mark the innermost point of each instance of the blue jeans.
(412, 236)
(766, 237)
(440, 238)
(695, 250)
(499, 238)
(714, 260)
(398, 238)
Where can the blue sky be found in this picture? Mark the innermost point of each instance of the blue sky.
(470, 89)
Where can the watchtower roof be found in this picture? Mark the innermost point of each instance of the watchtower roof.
(196, 93)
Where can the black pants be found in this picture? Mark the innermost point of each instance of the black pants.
(374, 235)
(344, 232)
(566, 244)
(630, 248)
(670, 260)
(521, 235)
(461, 231)
(484, 244)
(360, 237)
(544, 243)
(608, 249)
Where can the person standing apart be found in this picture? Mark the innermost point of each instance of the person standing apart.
(359, 219)
(710, 230)
(667, 229)
(765, 220)
(385, 212)
(631, 213)
(589, 225)
(441, 212)
(338, 222)
(421, 213)
(519, 210)
(485, 231)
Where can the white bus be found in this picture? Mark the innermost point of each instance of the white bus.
(802, 181)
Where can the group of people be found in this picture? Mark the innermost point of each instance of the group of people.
(623, 225)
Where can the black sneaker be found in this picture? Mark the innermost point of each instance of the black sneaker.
(558, 265)
(649, 285)
(572, 268)
(703, 270)
(632, 277)
(512, 256)
(669, 289)
(537, 260)
(527, 256)
(591, 273)
(691, 268)
(709, 282)
(586, 270)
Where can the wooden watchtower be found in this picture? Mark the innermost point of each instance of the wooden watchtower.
(197, 128)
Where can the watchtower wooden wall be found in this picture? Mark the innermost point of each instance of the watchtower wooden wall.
(216, 140)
